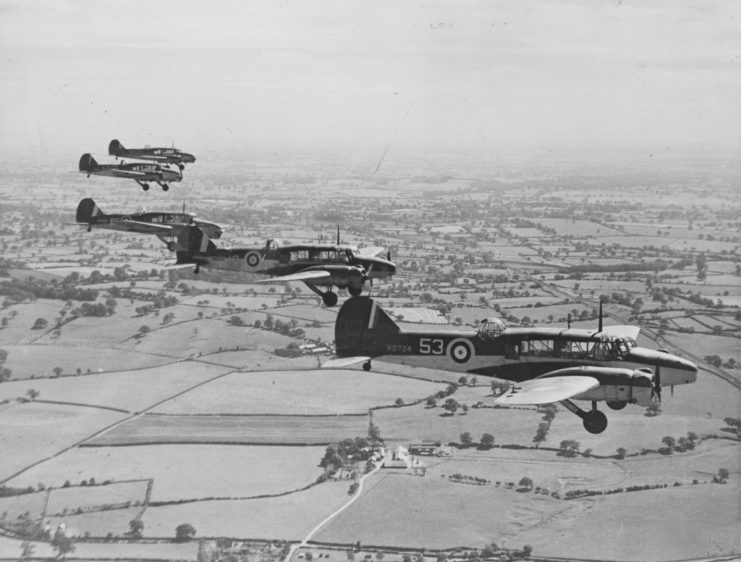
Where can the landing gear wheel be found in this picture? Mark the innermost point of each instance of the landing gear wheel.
(165, 187)
(355, 291)
(145, 187)
(197, 270)
(617, 405)
(367, 366)
(595, 421)
(330, 299)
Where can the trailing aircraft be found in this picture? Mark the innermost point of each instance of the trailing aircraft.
(140, 172)
(163, 155)
(316, 265)
(546, 364)
(166, 226)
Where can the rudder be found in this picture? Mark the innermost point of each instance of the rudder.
(363, 328)
(88, 210)
(87, 163)
(196, 241)
(115, 148)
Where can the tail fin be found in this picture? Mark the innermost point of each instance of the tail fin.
(87, 163)
(88, 211)
(363, 328)
(115, 148)
(196, 243)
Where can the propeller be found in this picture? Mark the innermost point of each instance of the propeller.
(600, 316)
(338, 234)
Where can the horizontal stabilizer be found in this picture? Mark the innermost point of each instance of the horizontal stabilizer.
(341, 362)
(311, 275)
(547, 390)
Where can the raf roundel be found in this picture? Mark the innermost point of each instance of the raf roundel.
(460, 350)
(252, 259)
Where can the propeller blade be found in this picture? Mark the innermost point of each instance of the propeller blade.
(656, 389)
(338, 234)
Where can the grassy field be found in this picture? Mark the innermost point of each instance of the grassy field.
(288, 517)
(234, 429)
(295, 392)
(426, 513)
(98, 523)
(87, 498)
(35, 431)
(127, 390)
(652, 526)
(185, 471)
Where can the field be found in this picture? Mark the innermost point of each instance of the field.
(345, 392)
(184, 471)
(234, 429)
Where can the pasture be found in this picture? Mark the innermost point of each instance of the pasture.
(234, 429)
(97, 523)
(288, 517)
(93, 498)
(296, 393)
(125, 390)
(35, 361)
(34, 431)
(426, 513)
(182, 472)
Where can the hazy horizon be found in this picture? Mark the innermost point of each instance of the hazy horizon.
(486, 77)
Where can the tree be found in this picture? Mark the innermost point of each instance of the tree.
(526, 482)
(487, 440)
(184, 532)
(57, 371)
(462, 380)
(431, 402)
(62, 543)
(723, 475)
(669, 441)
(27, 550)
(40, 324)
(527, 550)
(466, 439)
(136, 526)
(144, 329)
(399, 402)
(621, 452)
(32, 394)
(451, 405)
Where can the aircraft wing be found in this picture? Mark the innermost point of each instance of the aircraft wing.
(371, 251)
(341, 362)
(126, 173)
(135, 226)
(622, 331)
(310, 275)
(546, 390)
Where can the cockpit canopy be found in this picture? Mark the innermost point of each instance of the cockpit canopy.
(492, 327)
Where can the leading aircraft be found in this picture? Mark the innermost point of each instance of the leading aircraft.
(316, 265)
(166, 226)
(546, 364)
(163, 155)
(140, 172)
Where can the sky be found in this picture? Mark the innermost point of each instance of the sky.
(479, 76)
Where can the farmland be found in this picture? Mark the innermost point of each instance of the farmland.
(199, 399)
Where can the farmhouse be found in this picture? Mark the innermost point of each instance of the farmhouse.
(428, 448)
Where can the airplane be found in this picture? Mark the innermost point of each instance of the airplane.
(316, 265)
(166, 226)
(141, 172)
(546, 364)
(164, 155)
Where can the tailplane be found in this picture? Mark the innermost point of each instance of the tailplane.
(115, 148)
(363, 329)
(88, 211)
(87, 163)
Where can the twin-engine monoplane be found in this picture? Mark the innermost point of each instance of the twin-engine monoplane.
(546, 364)
(165, 225)
(316, 265)
(161, 155)
(141, 172)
